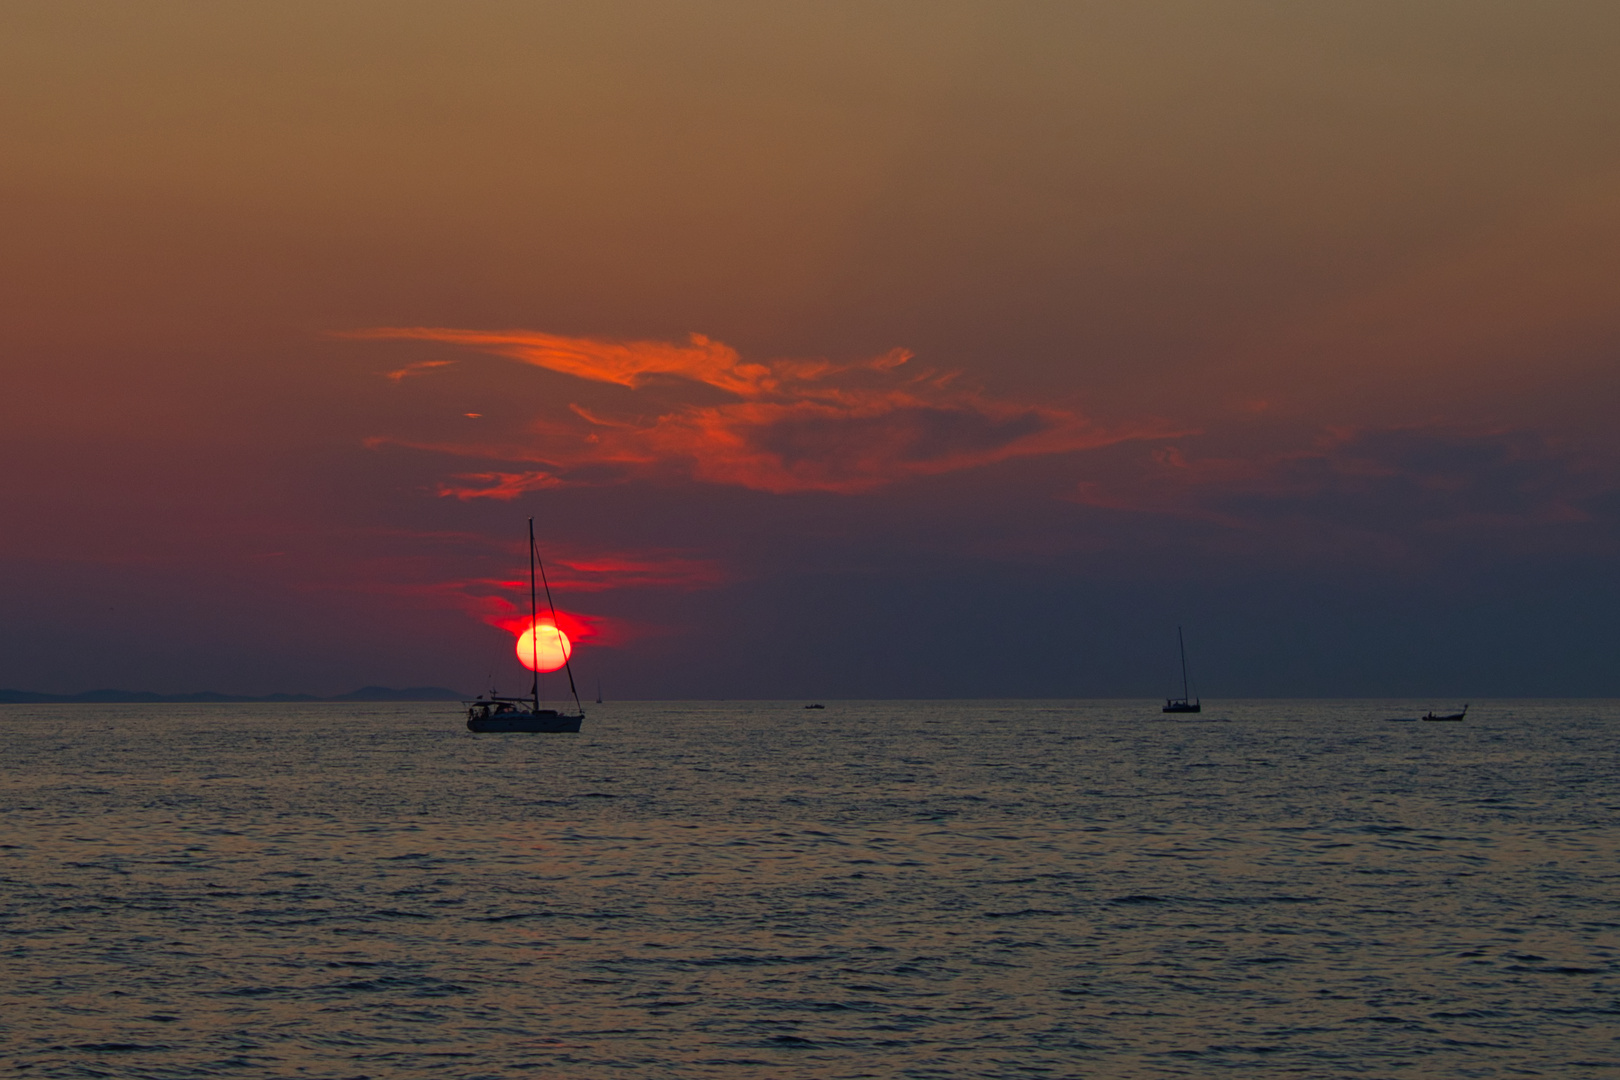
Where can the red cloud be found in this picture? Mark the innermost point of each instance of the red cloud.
(498, 485)
(629, 363)
(491, 604)
(604, 572)
(417, 368)
(791, 425)
(501, 598)
(581, 629)
(656, 571)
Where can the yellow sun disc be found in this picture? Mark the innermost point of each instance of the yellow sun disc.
(544, 648)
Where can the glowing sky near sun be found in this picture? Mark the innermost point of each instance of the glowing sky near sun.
(811, 336)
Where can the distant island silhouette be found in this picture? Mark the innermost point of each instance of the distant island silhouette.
(133, 697)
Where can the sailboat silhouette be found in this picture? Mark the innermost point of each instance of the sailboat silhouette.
(495, 713)
(1184, 703)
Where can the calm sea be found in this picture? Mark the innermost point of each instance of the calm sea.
(753, 889)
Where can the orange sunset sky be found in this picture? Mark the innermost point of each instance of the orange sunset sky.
(869, 349)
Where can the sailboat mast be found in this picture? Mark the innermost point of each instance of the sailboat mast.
(567, 666)
(1183, 644)
(534, 629)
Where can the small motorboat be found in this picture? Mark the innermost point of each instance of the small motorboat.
(1448, 716)
(815, 706)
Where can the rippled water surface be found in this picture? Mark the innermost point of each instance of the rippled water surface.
(956, 889)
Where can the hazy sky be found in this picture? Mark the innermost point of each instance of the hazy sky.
(888, 349)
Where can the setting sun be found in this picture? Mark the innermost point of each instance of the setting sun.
(549, 653)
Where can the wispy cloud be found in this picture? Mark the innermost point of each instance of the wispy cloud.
(498, 485)
(421, 366)
(1398, 488)
(783, 425)
(645, 570)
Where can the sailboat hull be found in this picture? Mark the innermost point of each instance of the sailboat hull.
(546, 720)
(1182, 706)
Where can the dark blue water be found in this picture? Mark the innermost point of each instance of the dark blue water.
(960, 889)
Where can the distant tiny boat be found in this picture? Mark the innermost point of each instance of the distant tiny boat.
(815, 706)
(503, 714)
(1184, 703)
(599, 691)
(1449, 716)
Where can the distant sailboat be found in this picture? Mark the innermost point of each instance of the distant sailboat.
(1184, 703)
(599, 691)
(502, 714)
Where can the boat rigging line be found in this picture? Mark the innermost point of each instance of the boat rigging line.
(534, 554)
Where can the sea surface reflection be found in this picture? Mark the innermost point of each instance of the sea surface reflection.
(877, 889)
